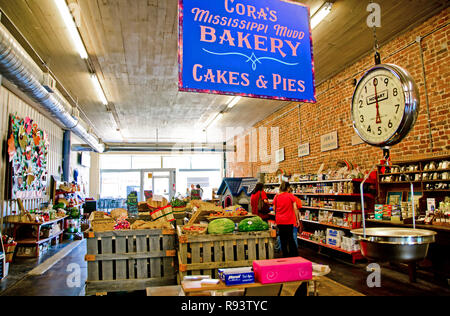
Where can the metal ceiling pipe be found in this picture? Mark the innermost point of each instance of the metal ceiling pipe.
(19, 68)
(164, 147)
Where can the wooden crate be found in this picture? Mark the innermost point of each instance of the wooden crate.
(204, 254)
(130, 260)
(179, 218)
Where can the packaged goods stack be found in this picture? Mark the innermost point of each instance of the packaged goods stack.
(334, 237)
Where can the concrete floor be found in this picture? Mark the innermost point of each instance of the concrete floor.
(345, 279)
(54, 282)
(21, 267)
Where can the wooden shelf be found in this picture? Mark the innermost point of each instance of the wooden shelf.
(39, 223)
(328, 209)
(399, 173)
(421, 226)
(366, 195)
(330, 246)
(34, 241)
(446, 180)
(325, 181)
(435, 170)
(400, 182)
(438, 190)
(326, 224)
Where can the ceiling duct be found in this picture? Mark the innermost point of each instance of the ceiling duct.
(164, 147)
(20, 69)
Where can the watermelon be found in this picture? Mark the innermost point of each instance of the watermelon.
(253, 224)
(221, 226)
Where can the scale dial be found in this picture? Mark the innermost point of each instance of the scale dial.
(385, 105)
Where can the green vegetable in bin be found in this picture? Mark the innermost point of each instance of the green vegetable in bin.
(73, 213)
(221, 226)
(253, 224)
(177, 202)
(58, 206)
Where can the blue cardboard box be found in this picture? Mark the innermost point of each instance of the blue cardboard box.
(237, 276)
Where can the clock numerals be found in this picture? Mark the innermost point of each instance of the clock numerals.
(380, 103)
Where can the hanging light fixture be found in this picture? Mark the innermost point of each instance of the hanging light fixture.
(217, 119)
(320, 14)
(212, 122)
(234, 101)
(98, 89)
(71, 26)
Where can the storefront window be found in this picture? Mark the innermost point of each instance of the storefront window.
(207, 162)
(146, 162)
(202, 169)
(114, 162)
(119, 184)
(177, 162)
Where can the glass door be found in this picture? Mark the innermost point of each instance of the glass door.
(160, 182)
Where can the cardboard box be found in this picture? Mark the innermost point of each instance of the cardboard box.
(333, 241)
(335, 233)
(237, 276)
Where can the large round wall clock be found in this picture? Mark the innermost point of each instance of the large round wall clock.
(385, 105)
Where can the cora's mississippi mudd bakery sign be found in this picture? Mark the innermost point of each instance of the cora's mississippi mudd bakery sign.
(254, 48)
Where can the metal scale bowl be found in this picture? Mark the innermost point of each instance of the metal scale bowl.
(394, 244)
(390, 244)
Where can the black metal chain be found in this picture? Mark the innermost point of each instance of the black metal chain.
(376, 45)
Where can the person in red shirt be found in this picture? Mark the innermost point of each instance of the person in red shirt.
(286, 217)
(258, 193)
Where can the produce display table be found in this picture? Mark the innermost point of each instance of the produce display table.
(129, 260)
(204, 254)
(191, 288)
(37, 241)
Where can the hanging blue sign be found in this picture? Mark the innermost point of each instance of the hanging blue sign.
(253, 48)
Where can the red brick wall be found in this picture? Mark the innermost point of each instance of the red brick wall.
(302, 123)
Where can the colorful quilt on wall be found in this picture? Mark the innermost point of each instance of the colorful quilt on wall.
(27, 151)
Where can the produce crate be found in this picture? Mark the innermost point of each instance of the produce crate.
(179, 218)
(9, 252)
(204, 254)
(130, 260)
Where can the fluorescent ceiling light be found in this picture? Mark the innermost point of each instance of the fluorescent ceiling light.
(320, 14)
(98, 89)
(218, 118)
(71, 26)
(233, 102)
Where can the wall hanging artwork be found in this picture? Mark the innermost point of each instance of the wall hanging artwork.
(26, 173)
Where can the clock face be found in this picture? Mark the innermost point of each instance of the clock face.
(380, 105)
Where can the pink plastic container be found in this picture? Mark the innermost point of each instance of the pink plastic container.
(282, 270)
